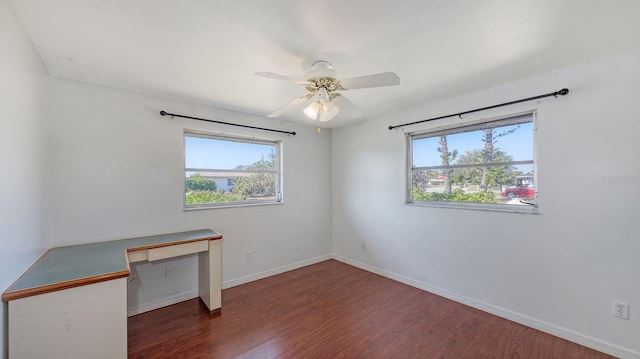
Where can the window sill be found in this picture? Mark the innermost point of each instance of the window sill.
(504, 208)
(235, 205)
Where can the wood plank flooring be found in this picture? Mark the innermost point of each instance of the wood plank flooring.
(333, 310)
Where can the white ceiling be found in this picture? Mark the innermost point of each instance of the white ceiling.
(206, 51)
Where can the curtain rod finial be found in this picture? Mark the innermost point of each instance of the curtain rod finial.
(563, 92)
(163, 113)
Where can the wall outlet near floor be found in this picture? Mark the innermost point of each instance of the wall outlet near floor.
(169, 271)
(249, 255)
(621, 310)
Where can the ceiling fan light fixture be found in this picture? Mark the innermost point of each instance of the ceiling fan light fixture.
(329, 111)
(312, 110)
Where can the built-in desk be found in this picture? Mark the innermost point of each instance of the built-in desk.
(72, 303)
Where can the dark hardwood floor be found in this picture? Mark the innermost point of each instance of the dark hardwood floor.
(333, 310)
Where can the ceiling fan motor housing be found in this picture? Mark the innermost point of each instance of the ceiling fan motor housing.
(322, 74)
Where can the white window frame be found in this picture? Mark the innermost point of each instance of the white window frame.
(528, 117)
(279, 198)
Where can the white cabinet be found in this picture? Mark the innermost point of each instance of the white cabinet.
(89, 321)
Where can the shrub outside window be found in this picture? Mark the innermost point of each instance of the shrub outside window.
(482, 165)
(222, 171)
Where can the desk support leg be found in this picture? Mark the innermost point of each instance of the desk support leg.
(210, 276)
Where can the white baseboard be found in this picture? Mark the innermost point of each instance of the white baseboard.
(270, 272)
(162, 303)
(587, 341)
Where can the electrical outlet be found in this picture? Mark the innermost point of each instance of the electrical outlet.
(249, 256)
(169, 271)
(364, 246)
(621, 310)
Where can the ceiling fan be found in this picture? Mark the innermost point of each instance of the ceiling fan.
(324, 86)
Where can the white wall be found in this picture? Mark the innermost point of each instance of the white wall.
(117, 173)
(23, 196)
(110, 167)
(559, 270)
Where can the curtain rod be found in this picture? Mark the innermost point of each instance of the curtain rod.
(562, 92)
(164, 113)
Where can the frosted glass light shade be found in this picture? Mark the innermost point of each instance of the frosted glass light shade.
(312, 110)
(329, 111)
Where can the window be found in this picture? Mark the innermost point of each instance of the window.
(482, 165)
(223, 171)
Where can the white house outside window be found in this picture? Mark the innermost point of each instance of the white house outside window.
(483, 165)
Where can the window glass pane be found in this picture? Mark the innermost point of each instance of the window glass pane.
(475, 164)
(221, 171)
(504, 185)
(510, 143)
(225, 154)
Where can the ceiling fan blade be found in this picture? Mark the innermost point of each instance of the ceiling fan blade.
(272, 75)
(375, 80)
(349, 107)
(291, 105)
